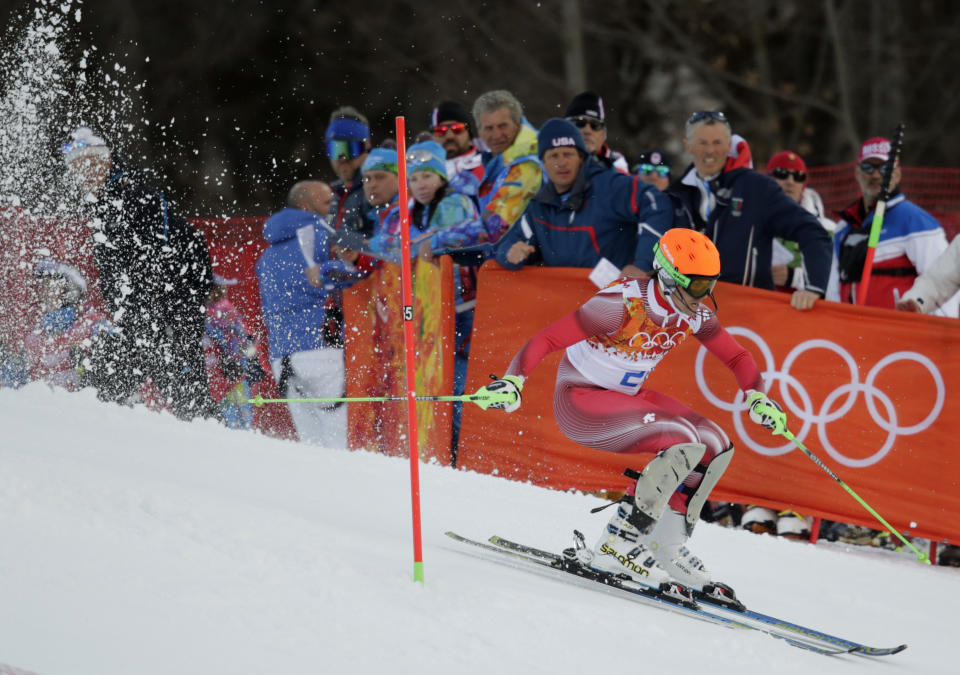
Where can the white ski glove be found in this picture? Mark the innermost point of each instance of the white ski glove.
(766, 412)
(508, 384)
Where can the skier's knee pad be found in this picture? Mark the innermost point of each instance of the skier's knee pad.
(711, 474)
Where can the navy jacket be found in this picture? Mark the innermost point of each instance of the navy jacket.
(607, 214)
(749, 211)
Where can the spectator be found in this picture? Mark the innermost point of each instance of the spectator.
(59, 349)
(154, 271)
(937, 285)
(231, 356)
(653, 167)
(348, 142)
(742, 211)
(304, 362)
(587, 113)
(450, 124)
(585, 212)
(790, 172)
(911, 239)
(511, 172)
(449, 220)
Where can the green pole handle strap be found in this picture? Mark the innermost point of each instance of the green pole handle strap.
(922, 557)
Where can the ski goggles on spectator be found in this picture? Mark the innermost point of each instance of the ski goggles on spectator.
(456, 127)
(701, 115)
(781, 174)
(583, 121)
(696, 285)
(869, 168)
(661, 170)
(345, 148)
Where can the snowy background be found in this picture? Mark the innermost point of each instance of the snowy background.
(134, 543)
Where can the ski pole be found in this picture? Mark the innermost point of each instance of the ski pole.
(877, 224)
(482, 400)
(922, 557)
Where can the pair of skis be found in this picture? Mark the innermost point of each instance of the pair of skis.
(705, 608)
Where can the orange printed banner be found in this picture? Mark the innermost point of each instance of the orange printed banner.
(873, 393)
(373, 313)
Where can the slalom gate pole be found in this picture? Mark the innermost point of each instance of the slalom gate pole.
(410, 344)
(922, 557)
(896, 146)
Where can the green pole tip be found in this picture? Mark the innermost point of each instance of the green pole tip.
(418, 572)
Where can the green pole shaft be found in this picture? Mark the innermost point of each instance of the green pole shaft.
(922, 557)
(482, 400)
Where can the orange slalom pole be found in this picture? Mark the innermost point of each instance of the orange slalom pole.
(410, 344)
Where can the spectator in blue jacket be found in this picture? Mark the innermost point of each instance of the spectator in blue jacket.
(304, 362)
(743, 211)
(585, 212)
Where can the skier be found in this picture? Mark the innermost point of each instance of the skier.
(613, 343)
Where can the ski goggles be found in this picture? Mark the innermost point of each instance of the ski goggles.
(456, 127)
(782, 174)
(584, 121)
(661, 170)
(345, 148)
(696, 285)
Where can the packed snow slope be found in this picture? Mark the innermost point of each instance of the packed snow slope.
(134, 544)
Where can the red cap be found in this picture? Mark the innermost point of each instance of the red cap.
(875, 148)
(787, 160)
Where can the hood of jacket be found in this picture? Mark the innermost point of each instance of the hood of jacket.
(283, 224)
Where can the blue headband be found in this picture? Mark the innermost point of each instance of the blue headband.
(343, 127)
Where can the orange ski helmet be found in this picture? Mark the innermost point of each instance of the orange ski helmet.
(689, 259)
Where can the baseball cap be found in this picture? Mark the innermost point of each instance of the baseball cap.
(875, 148)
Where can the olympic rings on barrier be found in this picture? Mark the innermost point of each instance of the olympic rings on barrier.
(804, 409)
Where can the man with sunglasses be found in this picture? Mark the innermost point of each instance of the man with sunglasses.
(585, 214)
(790, 172)
(450, 125)
(611, 345)
(910, 241)
(587, 113)
(743, 211)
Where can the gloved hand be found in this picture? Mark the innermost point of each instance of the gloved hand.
(766, 412)
(508, 384)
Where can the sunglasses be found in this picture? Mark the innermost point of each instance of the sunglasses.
(78, 144)
(581, 122)
(869, 168)
(661, 170)
(456, 127)
(345, 148)
(781, 174)
(701, 115)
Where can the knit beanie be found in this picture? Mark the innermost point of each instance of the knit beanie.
(587, 104)
(84, 143)
(380, 159)
(427, 156)
(559, 133)
(450, 110)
